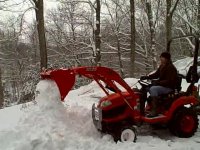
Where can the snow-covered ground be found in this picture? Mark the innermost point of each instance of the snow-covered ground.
(50, 124)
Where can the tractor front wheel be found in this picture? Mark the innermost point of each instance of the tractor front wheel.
(184, 123)
(126, 134)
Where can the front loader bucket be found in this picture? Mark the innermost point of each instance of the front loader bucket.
(64, 79)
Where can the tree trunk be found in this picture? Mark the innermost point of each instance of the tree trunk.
(97, 35)
(120, 58)
(152, 32)
(39, 11)
(169, 15)
(132, 44)
(168, 22)
(1, 91)
(198, 18)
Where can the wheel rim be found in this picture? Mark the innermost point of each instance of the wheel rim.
(187, 123)
(128, 135)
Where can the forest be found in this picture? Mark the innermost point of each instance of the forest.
(125, 35)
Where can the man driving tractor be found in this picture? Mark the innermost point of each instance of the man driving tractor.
(166, 83)
(119, 113)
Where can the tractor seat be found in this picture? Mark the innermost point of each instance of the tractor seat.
(177, 88)
(169, 98)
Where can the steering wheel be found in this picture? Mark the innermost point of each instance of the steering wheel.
(144, 83)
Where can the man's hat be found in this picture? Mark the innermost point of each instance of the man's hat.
(166, 55)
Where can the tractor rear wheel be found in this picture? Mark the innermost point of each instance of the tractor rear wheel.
(184, 123)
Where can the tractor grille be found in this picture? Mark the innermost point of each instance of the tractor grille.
(113, 112)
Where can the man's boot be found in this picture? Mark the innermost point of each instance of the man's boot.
(149, 105)
(153, 112)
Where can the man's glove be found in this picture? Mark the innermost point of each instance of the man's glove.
(144, 77)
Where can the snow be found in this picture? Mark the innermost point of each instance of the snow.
(183, 65)
(50, 124)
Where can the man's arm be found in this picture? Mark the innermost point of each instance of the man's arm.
(155, 75)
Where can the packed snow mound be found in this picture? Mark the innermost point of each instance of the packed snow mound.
(53, 95)
(49, 125)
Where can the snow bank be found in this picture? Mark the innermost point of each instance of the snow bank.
(10, 117)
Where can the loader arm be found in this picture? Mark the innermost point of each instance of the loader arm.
(65, 78)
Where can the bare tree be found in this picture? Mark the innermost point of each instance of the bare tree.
(117, 24)
(39, 12)
(75, 47)
(1, 91)
(97, 34)
(198, 17)
(169, 14)
(32, 37)
(152, 24)
(133, 31)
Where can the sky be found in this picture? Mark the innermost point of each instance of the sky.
(16, 7)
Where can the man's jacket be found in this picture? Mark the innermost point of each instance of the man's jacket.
(166, 75)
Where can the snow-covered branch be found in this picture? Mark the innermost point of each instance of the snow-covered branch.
(187, 38)
(186, 21)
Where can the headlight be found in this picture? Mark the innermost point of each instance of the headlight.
(106, 103)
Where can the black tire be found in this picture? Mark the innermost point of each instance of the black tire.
(184, 123)
(127, 133)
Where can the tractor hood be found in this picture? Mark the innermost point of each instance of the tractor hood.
(64, 79)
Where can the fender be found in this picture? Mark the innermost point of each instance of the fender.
(184, 100)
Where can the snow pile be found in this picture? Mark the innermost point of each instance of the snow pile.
(184, 64)
(50, 125)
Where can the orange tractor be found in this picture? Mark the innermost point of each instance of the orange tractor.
(120, 112)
